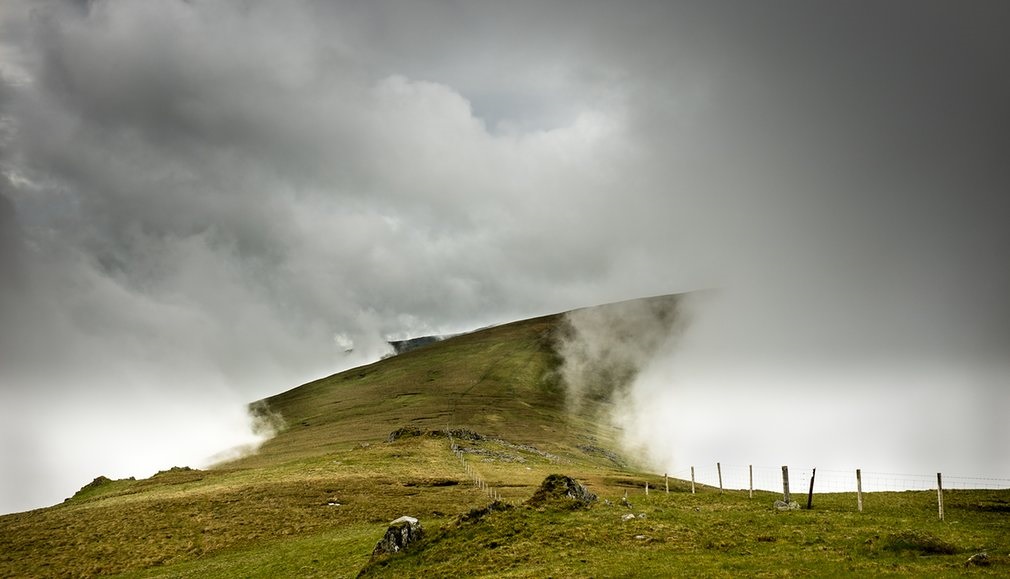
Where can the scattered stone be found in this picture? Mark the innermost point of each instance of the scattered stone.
(640, 537)
(610, 455)
(625, 501)
(978, 560)
(784, 506)
(563, 491)
(628, 517)
(492, 455)
(641, 515)
(530, 449)
(400, 534)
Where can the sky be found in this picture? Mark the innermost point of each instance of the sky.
(206, 202)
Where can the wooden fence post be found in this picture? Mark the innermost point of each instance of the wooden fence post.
(692, 480)
(646, 488)
(859, 490)
(810, 494)
(785, 484)
(666, 480)
(750, 471)
(939, 494)
(718, 468)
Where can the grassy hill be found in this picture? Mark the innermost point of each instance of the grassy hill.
(363, 447)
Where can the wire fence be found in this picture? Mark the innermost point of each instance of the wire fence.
(475, 477)
(774, 478)
(769, 478)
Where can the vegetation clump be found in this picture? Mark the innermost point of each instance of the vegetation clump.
(918, 541)
(478, 514)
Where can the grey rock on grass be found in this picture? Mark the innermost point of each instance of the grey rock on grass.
(400, 534)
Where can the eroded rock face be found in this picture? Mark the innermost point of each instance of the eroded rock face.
(559, 490)
(400, 534)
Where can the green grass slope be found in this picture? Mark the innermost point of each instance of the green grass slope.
(500, 382)
(317, 497)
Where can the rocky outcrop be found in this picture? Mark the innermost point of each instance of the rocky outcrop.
(404, 432)
(561, 491)
(413, 431)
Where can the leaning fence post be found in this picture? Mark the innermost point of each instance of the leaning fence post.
(785, 484)
(859, 490)
(718, 468)
(692, 480)
(750, 470)
(810, 495)
(939, 494)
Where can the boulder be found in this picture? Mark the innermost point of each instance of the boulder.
(401, 533)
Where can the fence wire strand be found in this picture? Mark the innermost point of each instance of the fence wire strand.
(769, 478)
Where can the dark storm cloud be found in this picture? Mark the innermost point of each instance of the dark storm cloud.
(210, 200)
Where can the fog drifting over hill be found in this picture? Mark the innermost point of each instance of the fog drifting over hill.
(206, 202)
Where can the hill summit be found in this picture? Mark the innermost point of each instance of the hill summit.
(486, 442)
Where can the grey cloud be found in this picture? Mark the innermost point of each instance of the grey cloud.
(223, 193)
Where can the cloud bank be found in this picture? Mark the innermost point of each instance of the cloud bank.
(206, 202)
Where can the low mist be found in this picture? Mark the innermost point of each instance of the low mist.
(603, 349)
